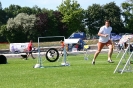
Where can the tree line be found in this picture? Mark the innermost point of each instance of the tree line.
(20, 24)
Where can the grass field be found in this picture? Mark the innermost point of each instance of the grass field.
(81, 74)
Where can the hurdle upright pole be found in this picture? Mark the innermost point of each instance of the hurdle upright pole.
(39, 57)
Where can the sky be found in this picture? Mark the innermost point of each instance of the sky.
(52, 4)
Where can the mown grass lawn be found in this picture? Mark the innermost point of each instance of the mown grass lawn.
(20, 73)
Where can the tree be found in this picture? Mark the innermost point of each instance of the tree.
(2, 16)
(42, 23)
(3, 33)
(12, 11)
(94, 18)
(26, 10)
(59, 25)
(73, 15)
(0, 6)
(128, 15)
(50, 23)
(21, 28)
(36, 10)
(113, 13)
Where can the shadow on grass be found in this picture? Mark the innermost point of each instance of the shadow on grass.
(53, 66)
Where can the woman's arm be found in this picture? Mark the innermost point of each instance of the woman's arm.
(102, 35)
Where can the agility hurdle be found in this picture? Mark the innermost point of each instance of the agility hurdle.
(39, 60)
(127, 65)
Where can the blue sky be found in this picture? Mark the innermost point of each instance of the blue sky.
(52, 4)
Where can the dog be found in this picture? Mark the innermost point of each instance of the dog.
(24, 56)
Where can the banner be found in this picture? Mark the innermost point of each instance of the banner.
(18, 47)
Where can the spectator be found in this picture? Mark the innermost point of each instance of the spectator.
(29, 48)
(62, 47)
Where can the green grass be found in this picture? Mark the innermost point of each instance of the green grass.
(81, 74)
(4, 46)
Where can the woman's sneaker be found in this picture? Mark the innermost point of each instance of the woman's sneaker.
(93, 62)
(110, 61)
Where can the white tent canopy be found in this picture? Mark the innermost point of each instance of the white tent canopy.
(71, 41)
(125, 38)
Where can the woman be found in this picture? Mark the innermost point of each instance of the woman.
(29, 48)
